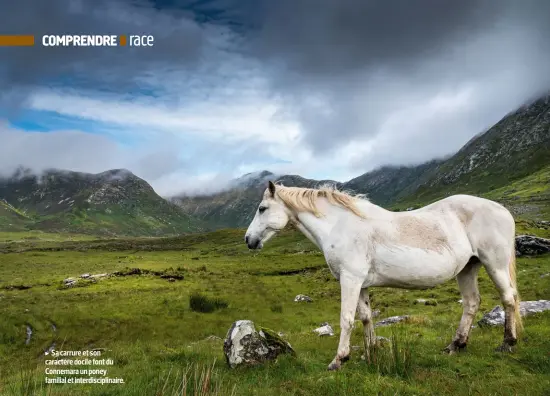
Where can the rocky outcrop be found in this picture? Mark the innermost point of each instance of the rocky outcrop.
(496, 316)
(244, 345)
(528, 245)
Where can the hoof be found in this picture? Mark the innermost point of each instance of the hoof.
(337, 363)
(504, 348)
(334, 366)
(453, 348)
(448, 351)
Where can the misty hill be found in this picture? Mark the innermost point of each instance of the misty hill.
(114, 202)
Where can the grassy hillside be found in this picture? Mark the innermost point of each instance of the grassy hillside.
(145, 323)
(528, 199)
(11, 218)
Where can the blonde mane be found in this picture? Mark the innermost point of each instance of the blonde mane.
(305, 199)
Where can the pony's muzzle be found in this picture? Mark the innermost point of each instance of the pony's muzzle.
(252, 243)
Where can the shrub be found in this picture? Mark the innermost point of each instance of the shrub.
(201, 303)
(395, 359)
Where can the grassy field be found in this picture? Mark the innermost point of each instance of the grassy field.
(145, 324)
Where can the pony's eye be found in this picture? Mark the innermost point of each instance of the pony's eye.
(262, 209)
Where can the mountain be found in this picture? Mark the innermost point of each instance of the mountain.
(235, 206)
(115, 202)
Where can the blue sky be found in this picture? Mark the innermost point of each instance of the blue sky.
(327, 91)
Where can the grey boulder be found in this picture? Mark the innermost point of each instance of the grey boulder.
(527, 245)
(244, 345)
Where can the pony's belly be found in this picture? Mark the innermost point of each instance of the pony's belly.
(421, 271)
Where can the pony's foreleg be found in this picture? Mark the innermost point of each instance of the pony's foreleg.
(467, 283)
(350, 289)
(365, 314)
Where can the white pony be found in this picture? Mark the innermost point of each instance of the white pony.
(365, 245)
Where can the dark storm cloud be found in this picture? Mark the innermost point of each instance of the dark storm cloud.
(417, 78)
(344, 66)
(179, 41)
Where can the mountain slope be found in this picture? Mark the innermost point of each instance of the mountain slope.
(115, 202)
(236, 206)
(501, 163)
(385, 184)
(514, 148)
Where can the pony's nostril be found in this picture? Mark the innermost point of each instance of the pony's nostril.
(246, 239)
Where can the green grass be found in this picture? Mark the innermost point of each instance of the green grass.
(40, 236)
(159, 344)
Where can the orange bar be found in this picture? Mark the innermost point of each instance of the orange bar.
(11, 41)
(122, 40)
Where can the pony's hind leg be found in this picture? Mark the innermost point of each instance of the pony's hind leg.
(467, 283)
(365, 314)
(503, 277)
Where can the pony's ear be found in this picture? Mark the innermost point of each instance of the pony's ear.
(271, 188)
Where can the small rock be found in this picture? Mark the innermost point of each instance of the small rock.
(302, 298)
(425, 302)
(70, 281)
(85, 276)
(325, 330)
(545, 275)
(244, 345)
(26, 310)
(391, 320)
(381, 339)
(171, 280)
(496, 316)
(460, 301)
(29, 335)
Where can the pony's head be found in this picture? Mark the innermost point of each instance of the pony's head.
(271, 217)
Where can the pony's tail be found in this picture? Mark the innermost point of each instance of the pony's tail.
(517, 313)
